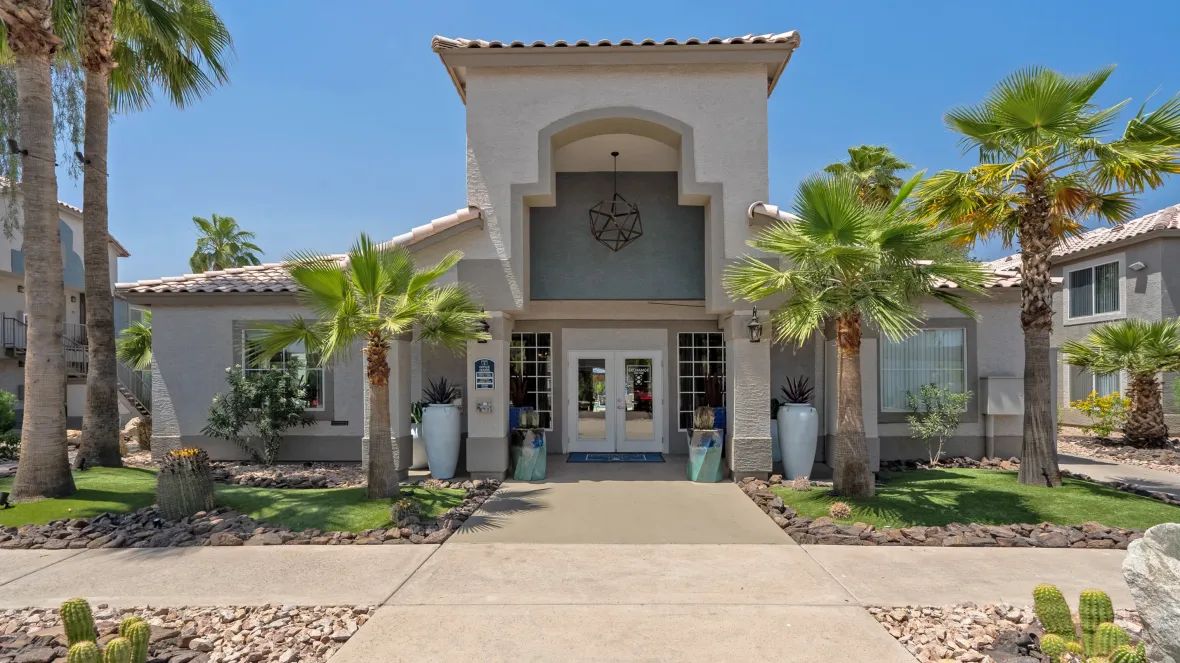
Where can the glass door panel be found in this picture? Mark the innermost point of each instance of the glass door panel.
(639, 402)
(591, 405)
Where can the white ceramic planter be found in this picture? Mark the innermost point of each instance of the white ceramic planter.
(440, 431)
(776, 454)
(798, 426)
(418, 462)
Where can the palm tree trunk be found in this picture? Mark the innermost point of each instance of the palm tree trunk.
(1038, 456)
(44, 469)
(852, 477)
(1145, 425)
(382, 472)
(100, 423)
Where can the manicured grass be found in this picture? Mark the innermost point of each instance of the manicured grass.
(103, 490)
(939, 497)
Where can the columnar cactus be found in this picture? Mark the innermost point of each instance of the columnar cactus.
(1094, 608)
(1109, 637)
(185, 484)
(117, 651)
(138, 633)
(1129, 654)
(84, 652)
(78, 621)
(1053, 611)
(1053, 646)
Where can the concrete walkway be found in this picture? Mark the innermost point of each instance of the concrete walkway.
(1141, 477)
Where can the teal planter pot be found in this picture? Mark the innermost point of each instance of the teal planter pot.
(706, 463)
(532, 463)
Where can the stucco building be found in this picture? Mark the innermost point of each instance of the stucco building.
(689, 122)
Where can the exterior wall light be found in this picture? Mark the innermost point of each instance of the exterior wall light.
(1137, 266)
(484, 327)
(755, 327)
(73, 299)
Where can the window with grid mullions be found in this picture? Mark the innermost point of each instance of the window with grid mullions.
(699, 356)
(531, 356)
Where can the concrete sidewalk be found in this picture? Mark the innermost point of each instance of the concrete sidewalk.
(1140, 477)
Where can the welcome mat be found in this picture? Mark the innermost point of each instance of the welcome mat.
(582, 457)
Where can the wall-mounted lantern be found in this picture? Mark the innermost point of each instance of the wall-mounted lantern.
(484, 327)
(755, 327)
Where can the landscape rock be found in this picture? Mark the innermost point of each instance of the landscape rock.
(1152, 571)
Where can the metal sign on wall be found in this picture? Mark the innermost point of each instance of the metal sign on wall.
(485, 374)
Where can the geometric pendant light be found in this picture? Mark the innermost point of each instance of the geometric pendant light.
(615, 222)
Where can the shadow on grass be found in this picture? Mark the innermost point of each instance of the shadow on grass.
(495, 512)
(334, 509)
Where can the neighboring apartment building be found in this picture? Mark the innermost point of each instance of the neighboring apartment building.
(1131, 270)
(13, 308)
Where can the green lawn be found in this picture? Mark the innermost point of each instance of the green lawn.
(939, 497)
(102, 490)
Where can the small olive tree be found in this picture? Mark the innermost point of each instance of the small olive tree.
(258, 409)
(935, 414)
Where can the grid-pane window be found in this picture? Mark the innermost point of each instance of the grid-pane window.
(532, 358)
(1082, 383)
(700, 356)
(296, 355)
(1094, 290)
(932, 356)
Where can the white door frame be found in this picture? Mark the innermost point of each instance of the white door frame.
(616, 439)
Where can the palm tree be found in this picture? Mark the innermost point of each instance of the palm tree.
(134, 346)
(1144, 350)
(128, 50)
(44, 470)
(1046, 163)
(853, 263)
(374, 295)
(874, 169)
(221, 244)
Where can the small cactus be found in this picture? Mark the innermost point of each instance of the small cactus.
(1094, 608)
(1109, 637)
(84, 652)
(840, 511)
(1129, 654)
(1053, 646)
(139, 634)
(703, 418)
(801, 484)
(1075, 648)
(184, 484)
(78, 621)
(117, 651)
(403, 509)
(1051, 608)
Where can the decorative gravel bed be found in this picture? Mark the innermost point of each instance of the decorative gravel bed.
(1165, 460)
(826, 531)
(147, 529)
(285, 634)
(973, 634)
(301, 475)
(956, 463)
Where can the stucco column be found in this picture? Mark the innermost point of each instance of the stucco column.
(487, 408)
(399, 408)
(747, 369)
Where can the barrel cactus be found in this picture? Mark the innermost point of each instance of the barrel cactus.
(84, 652)
(703, 418)
(840, 511)
(117, 651)
(138, 633)
(1094, 608)
(1109, 637)
(1053, 646)
(1129, 654)
(185, 483)
(1053, 611)
(78, 621)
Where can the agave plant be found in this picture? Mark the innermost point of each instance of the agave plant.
(798, 391)
(442, 392)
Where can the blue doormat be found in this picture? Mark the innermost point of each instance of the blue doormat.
(582, 457)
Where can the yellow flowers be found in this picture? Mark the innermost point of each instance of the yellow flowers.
(1105, 412)
(188, 452)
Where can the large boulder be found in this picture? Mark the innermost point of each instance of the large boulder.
(1152, 571)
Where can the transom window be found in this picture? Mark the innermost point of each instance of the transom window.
(1082, 383)
(532, 357)
(700, 355)
(932, 356)
(1094, 290)
(296, 355)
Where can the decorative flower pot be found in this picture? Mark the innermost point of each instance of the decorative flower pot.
(719, 420)
(705, 462)
(440, 430)
(798, 426)
(532, 463)
(418, 462)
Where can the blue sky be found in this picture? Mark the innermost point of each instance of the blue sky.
(343, 120)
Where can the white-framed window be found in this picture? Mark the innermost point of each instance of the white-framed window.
(309, 371)
(700, 356)
(1082, 383)
(932, 356)
(531, 356)
(1093, 290)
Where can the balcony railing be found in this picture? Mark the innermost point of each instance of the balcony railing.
(16, 338)
(15, 333)
(136, 388)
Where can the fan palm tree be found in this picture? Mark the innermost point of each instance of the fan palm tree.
(221, 244)
(44, 469)
(127, 51)
(853, 263)
(134, 346)
(1142, 349)
(874, 170)
(1047, 162)
(372, 296)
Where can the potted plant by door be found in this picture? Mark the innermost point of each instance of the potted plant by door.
(440, 427)
(705, 446)
(531, 464)
(715, 398)
(798, 426)
(418, 461)
(518, 395)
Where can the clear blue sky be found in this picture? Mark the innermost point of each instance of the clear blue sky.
(340, 120)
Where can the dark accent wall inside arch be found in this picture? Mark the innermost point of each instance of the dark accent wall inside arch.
(668, 262)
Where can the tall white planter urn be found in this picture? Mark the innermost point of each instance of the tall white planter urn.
(419, 461)
(440, 433)
(798, 426)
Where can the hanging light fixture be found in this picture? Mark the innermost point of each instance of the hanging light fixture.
(615, 222)
(755, 327)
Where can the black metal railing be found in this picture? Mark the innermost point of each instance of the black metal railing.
(132, 384)
(15, 333)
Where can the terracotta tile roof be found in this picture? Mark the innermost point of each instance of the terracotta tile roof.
(273, 277)
(1167, 218)
(440, 43)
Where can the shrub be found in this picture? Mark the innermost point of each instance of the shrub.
(257, 410)
(7, 410)
(1106, 413)
(935, 416)
(10, 444)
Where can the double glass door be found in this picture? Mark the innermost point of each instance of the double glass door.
(615, 401)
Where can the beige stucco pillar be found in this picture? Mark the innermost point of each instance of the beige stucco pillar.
(399, 408)
(747, 367)
(487, 402)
